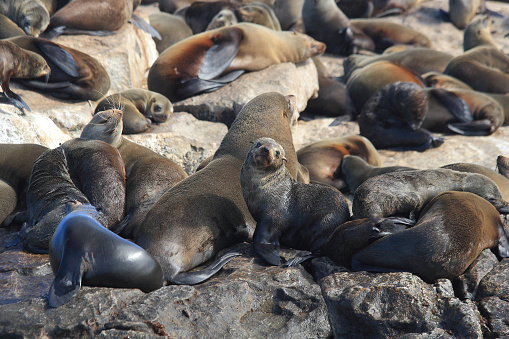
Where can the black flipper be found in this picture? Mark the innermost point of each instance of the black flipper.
(123, 223)
(476, 128)
(196, 86)
(59, 56)
(219, 57)
(454, 104)
(269, 252)
(196, 277)
(301, 257)
(72, 31)
(145, 26)
(45, 86)
(20, 104)
(389, 12)
(388, 226)
(68, 278)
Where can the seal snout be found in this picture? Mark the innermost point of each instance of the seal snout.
(267, 152)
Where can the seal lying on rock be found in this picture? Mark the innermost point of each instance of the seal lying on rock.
(453, 229)
(297, 215)
(84, 252)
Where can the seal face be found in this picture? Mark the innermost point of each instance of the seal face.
(298, 215)
(84, 252)
(451, 232)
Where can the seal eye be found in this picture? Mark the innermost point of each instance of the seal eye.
(157, 108)
(258, 144)
(278, 153)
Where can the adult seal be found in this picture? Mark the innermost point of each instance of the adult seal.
(407, 192)
(454, 228)
(323, 158)
(140, 108)
(181, 240)
(287, 212)
(82, 252)
(149, 174)
(209, 60)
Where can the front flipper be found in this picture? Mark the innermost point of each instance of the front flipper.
(474, 128)
(60, 57)
(454, 104)
(67, 280)
(62, 30)
(20, 104)
(266, 242)
(219, 57)
(196, 277)
(143, 25)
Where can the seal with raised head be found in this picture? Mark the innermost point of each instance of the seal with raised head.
(139, 106)
(181, 240)
(149, 174)
(454, 228)
(18, 63)
(31, 15)
(209, 60)
(323, 158)
(407, 192)
(478, 33)
(74, 75)
(293, 214)
(82, 252)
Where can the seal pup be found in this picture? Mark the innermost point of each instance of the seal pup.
(220, 217)
(209, 60)
(355, 170)
(393, 116)
(31, 15)
(149, 175)
(454, 228)
(139, 106)
(407, 192)
(82, 252)
(18, 63)
(258, 13)
(297, 215)
(199, 14)
(74, 75)
(323, 158)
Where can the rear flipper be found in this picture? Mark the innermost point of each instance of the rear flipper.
(474, 128)
(196, 86)
(145, 26)
(301, 257)
(196, 277)
(388, 226)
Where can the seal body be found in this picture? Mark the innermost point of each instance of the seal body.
(8, 200)
(454, 228)
(323, 158)
(84, 252)
(478, 33)
(181, 240)
(172, 29)
(73, 75)
(31, 15)
(9, 28)
(140, 107)
(402, 193)
(209, 60)
(297, 215)
(461, 12)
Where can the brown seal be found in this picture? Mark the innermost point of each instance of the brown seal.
(209, 60)
(31, 15)
(225, 17)
(355, 170)
(461, 12)
(452, 231)
(149, 174)
(323, 158)
(258, 13)
(365, 82)
(16, 164)
(199, 14)
(441, 80)
(8, 200)
(478, 33)
(139, 106)
(18, 63)
(82, 252)
(503, 165)
(88, 171)
(172, 29)
(8, 28)
(287, 212)
(484, 68)
(181, 240)
(289, 13)
(406, 192)
(73, 75)
(393, 116)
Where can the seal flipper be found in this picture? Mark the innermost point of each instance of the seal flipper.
(67, 280)
(475, 128)
(196, 277)
(20, 104)
(196, 86)
(143, 25)
(301, 257)
(219, 57)
(454, 104)
(59, 56)
(266, 242)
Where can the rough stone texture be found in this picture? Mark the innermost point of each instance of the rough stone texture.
(223, 105)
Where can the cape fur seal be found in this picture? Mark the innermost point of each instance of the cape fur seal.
(139, 106)
(181, 240)
(148, 174)
(323, 158)
(209, 60)
(406, 192)
(74, 75)
(8, 28)
(31, 15)
(452, 231)
(297, 215)
(18, 63)
(84, 252)
(172, 29)
(461, 12)
(8, 200)
(478, 33)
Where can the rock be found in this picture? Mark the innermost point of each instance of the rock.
(371, 305)
(495, 311)
(223, 105)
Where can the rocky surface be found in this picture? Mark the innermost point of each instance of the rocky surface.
(248, 298)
